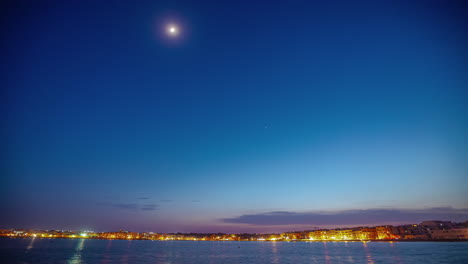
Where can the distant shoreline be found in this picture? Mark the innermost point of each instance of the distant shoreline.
(261, 241)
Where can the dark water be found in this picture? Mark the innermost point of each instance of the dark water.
(174, 252)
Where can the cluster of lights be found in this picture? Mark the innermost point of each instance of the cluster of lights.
(354, 234)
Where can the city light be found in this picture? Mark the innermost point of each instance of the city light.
(427, 230)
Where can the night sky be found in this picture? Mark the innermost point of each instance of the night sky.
(256, 116)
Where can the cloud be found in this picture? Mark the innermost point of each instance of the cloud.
(143, 198)
(149, 207)
(131, 206)
(351, 217)
(196, 201)
(126, 206)
(166, 201)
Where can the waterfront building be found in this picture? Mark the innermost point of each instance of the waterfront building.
(387, 232)
(345, 234)
(449, 234)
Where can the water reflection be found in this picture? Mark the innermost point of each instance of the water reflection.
(347, 247)
(325, 252)
(105, 258)
(368, 255)
(30, 246)
(395, 256)
(274, 250)
(125, 255)
(109, 252)
(76, 258)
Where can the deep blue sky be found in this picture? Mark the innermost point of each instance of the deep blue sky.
(259, 116)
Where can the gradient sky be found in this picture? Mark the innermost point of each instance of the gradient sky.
(260, 116)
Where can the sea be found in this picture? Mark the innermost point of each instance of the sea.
(78, 251)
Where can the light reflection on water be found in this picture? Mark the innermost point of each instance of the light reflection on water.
(30, 246)
(325, 252)
(84, 251)
(107, 252)
(76, 258)
(395, 257)
(274, 251)
(368, 254)
(125, 256)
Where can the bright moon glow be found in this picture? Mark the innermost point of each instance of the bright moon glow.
(172, 30)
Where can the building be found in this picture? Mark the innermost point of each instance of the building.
(438, 225)
(366, 234)
(386, 232)
(418, 232)
(345, 234)
(449, 234)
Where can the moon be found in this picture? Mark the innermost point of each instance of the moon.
(172, 30)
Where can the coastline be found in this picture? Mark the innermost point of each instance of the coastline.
(262, 241)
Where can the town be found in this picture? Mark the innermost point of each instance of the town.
(424, 231)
